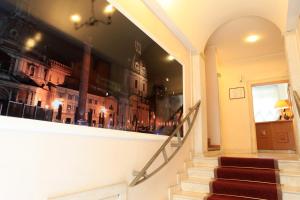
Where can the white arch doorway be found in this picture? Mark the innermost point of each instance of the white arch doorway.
(232, 65)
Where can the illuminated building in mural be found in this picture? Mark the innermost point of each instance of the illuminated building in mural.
(40, 70)
(47, 91)
(28, 80)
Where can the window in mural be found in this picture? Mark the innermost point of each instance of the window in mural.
(82, 62)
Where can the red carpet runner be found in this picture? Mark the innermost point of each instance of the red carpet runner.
(246, 179)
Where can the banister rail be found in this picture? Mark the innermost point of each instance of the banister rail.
(297, 101)
(143, 175)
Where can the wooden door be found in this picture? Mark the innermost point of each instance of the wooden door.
(264, 136)
(283, 135)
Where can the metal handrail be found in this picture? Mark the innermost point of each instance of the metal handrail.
(297, 101)
(142, 175)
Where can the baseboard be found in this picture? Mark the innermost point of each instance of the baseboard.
(237, 151)
(278, 151)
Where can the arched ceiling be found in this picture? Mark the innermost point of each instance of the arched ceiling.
(198, 19)
(229, 39)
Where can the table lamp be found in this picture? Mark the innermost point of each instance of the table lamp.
(282, 105)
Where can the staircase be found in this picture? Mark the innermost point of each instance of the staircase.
(194, 183)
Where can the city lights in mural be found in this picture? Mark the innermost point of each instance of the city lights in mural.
(107, 76)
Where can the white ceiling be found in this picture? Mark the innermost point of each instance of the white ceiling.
(229, 39)
(198, 19)
(293, 14)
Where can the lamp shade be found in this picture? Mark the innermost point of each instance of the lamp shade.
(282, 104)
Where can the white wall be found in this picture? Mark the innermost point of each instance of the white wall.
(236, 120)
(212, 96)
(199, 92)
(292, 48)
(39, 160)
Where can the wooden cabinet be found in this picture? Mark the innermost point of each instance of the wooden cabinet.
(276, 135)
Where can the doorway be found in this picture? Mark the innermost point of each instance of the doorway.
(273, 117)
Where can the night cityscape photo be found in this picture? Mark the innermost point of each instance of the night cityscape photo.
(83, 62)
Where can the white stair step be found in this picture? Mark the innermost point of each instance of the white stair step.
(289, 165)
(206, 161)
(202, 164)
(196, 185)
(290, 193)
(201, 172)
(195, 189)
(290, 178)
(182, 195)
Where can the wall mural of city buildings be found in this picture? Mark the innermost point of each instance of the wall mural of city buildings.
(82, 62)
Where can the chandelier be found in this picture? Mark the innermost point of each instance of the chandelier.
(92, 20)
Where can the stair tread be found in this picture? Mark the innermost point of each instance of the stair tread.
(289, 173)
(203, 165)
(203, 160)
(206, 158)
(290, 189)
(229, 197)
(262, 163)
(281, 161)
(245, 188)
(197, 180)
(295, 173)
(285, 188)
(247, 174)
(189, 194)
(202, 168)
(284, 172)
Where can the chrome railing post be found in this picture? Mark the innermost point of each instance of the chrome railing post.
(23, 110)
(8, 105)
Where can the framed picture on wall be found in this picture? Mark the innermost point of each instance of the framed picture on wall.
(237, 93)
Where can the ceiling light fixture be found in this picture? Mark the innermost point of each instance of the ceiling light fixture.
(170, 58)
(92, 20)
(75, 18)
(109, 9)
(252, 38)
